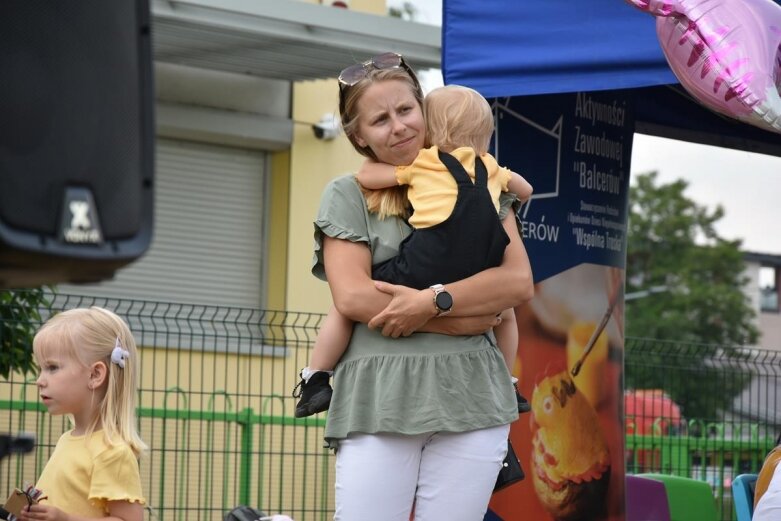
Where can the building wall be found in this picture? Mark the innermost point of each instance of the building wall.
(278, 222)
(751, 289)
(296, 176)
(768, 322)
(770, 326)
(313, 163)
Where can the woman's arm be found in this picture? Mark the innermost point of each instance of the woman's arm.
(400, 311)
(355, 294)
(496, 289)
(486, 293)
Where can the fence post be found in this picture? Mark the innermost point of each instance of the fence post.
(245, 465)
(208, 490)
(677, 458)
(180, 494)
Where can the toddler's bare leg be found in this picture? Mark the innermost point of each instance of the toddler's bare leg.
(507, 338)
(315, 390)
(331, 341)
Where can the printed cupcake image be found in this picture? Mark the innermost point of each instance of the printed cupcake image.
(570, 460)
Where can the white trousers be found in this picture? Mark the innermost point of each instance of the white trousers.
(448, 476)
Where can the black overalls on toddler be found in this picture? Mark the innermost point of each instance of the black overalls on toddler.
(469, 241)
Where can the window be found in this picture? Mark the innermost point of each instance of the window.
(768, 288)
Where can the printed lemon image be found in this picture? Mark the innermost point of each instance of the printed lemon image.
(570, 459)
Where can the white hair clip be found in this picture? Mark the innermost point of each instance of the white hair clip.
(119, 355)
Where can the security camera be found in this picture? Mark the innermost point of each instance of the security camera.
(327, 128)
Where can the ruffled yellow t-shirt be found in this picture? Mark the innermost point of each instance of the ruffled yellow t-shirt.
(84, 473)
(433, 191)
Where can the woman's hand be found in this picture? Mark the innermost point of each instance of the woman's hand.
(411, 310)
(407, 311)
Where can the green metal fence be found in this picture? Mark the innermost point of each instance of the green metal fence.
(715, 414)
(216, 410)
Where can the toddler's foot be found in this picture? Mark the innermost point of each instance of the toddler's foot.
(315, 394)
(523, 403)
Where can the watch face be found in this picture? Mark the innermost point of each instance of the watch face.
(444, 301)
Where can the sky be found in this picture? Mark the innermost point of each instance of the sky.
(746, 185)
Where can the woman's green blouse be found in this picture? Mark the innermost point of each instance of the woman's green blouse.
(423, 383)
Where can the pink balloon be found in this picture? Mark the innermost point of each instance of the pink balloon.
(726, 53)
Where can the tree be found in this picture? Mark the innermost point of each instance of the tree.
(19, 317)
(673, 246)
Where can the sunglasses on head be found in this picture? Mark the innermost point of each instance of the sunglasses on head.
(355, 73)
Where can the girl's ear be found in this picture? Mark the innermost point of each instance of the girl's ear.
(98, 375)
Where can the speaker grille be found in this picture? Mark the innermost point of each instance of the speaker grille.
(73, 112)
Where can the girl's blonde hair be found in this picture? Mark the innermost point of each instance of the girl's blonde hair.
(89, 335)
(457, 117)
(388, 201)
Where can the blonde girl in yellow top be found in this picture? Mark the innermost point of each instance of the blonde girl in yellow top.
(459, 122)
(89, 369)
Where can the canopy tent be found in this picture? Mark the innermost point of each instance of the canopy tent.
(571, 81)
(503, 48)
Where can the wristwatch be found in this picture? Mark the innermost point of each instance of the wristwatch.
(443, 301)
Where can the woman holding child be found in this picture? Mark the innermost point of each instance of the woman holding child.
(422, 402)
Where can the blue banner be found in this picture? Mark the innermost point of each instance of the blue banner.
(575, 150)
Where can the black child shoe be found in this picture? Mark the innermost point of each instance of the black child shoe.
(523, 403)
(315, 394)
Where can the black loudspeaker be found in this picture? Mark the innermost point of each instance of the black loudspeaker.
(76, 139)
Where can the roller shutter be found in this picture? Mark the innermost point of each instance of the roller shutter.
(208, 241)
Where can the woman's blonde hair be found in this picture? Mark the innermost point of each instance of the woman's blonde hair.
(457, 117)
(389, 201)
(89, 335)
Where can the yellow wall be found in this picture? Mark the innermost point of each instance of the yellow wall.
(278, 214)
(313, 163)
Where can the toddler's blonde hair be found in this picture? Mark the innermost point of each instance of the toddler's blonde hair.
(458, 116)
(89, 335)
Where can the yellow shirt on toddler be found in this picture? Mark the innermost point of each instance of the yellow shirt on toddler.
(432, 190)
(84, 473)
